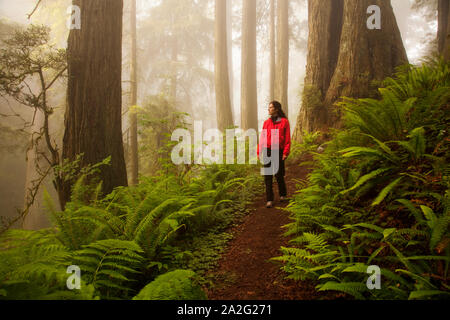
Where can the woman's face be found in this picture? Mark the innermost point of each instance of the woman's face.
(272, 110)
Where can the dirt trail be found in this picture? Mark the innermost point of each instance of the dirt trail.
(244, 271)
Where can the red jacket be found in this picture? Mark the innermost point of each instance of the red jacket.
(284, 134)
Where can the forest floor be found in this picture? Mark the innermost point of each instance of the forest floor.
(244, 271)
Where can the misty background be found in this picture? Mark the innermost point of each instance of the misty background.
(195, 65)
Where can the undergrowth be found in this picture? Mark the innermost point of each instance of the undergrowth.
(127, 241)
(379, 195)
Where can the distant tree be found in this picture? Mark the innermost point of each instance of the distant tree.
(282, 55)
(230, 52)
(93, 119)
(249, 110)
(134, 159)
(158, 118)
(223, 104)
(272, 41)
(440, 9)
(178, 42)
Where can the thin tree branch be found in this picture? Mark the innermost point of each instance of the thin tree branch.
(35, 8)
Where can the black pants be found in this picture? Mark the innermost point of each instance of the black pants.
(268, 179)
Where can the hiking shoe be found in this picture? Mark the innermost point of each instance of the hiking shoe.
(269, 204)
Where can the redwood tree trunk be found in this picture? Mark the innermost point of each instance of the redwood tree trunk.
(282, 55)
(272, 51)
(230, 54)
(444, 28)
(365, 55)
(223, 103)
(325, 26)
(249, 111)
(134, 161)
(364, 58)
(93, 116)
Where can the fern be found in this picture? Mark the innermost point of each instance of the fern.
(386, 190)
(175, 285)
(366, 178)
(100, 261)
(354, 289)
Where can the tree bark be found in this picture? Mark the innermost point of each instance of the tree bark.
(94, 95)
(325, 26)
(223, 103)
(366, 56)
(350, 65)
(230, 54)
(282, 55)
(249, 111)
(272, 51)
(134, 160)
(444, 28)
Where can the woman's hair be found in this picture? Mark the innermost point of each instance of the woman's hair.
(277, 107)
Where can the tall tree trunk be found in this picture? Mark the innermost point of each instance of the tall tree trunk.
(93, 116)
(325, 26)
(272, 51)
(133, 100)
(365, 55)
(230, 54)
(249, 110)
(444, 28)
(174, 71)
(282, 74)
(223, 103)
(35, 218)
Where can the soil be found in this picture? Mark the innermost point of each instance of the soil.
(244, 272)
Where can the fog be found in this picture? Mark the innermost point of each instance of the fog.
(195, 86)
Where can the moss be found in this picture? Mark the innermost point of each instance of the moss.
(312, 98)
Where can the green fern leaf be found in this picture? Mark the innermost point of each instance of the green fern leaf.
(366, 178)
(383, 194)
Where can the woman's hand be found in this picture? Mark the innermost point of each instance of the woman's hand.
(284, 157)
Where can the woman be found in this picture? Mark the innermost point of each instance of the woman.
(277, 121)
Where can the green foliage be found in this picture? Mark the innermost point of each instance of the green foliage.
(380, 195)
(174, 285)
(28, 54)
(33, 266)
(309, 144)
(109, 265)
(129, 237)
